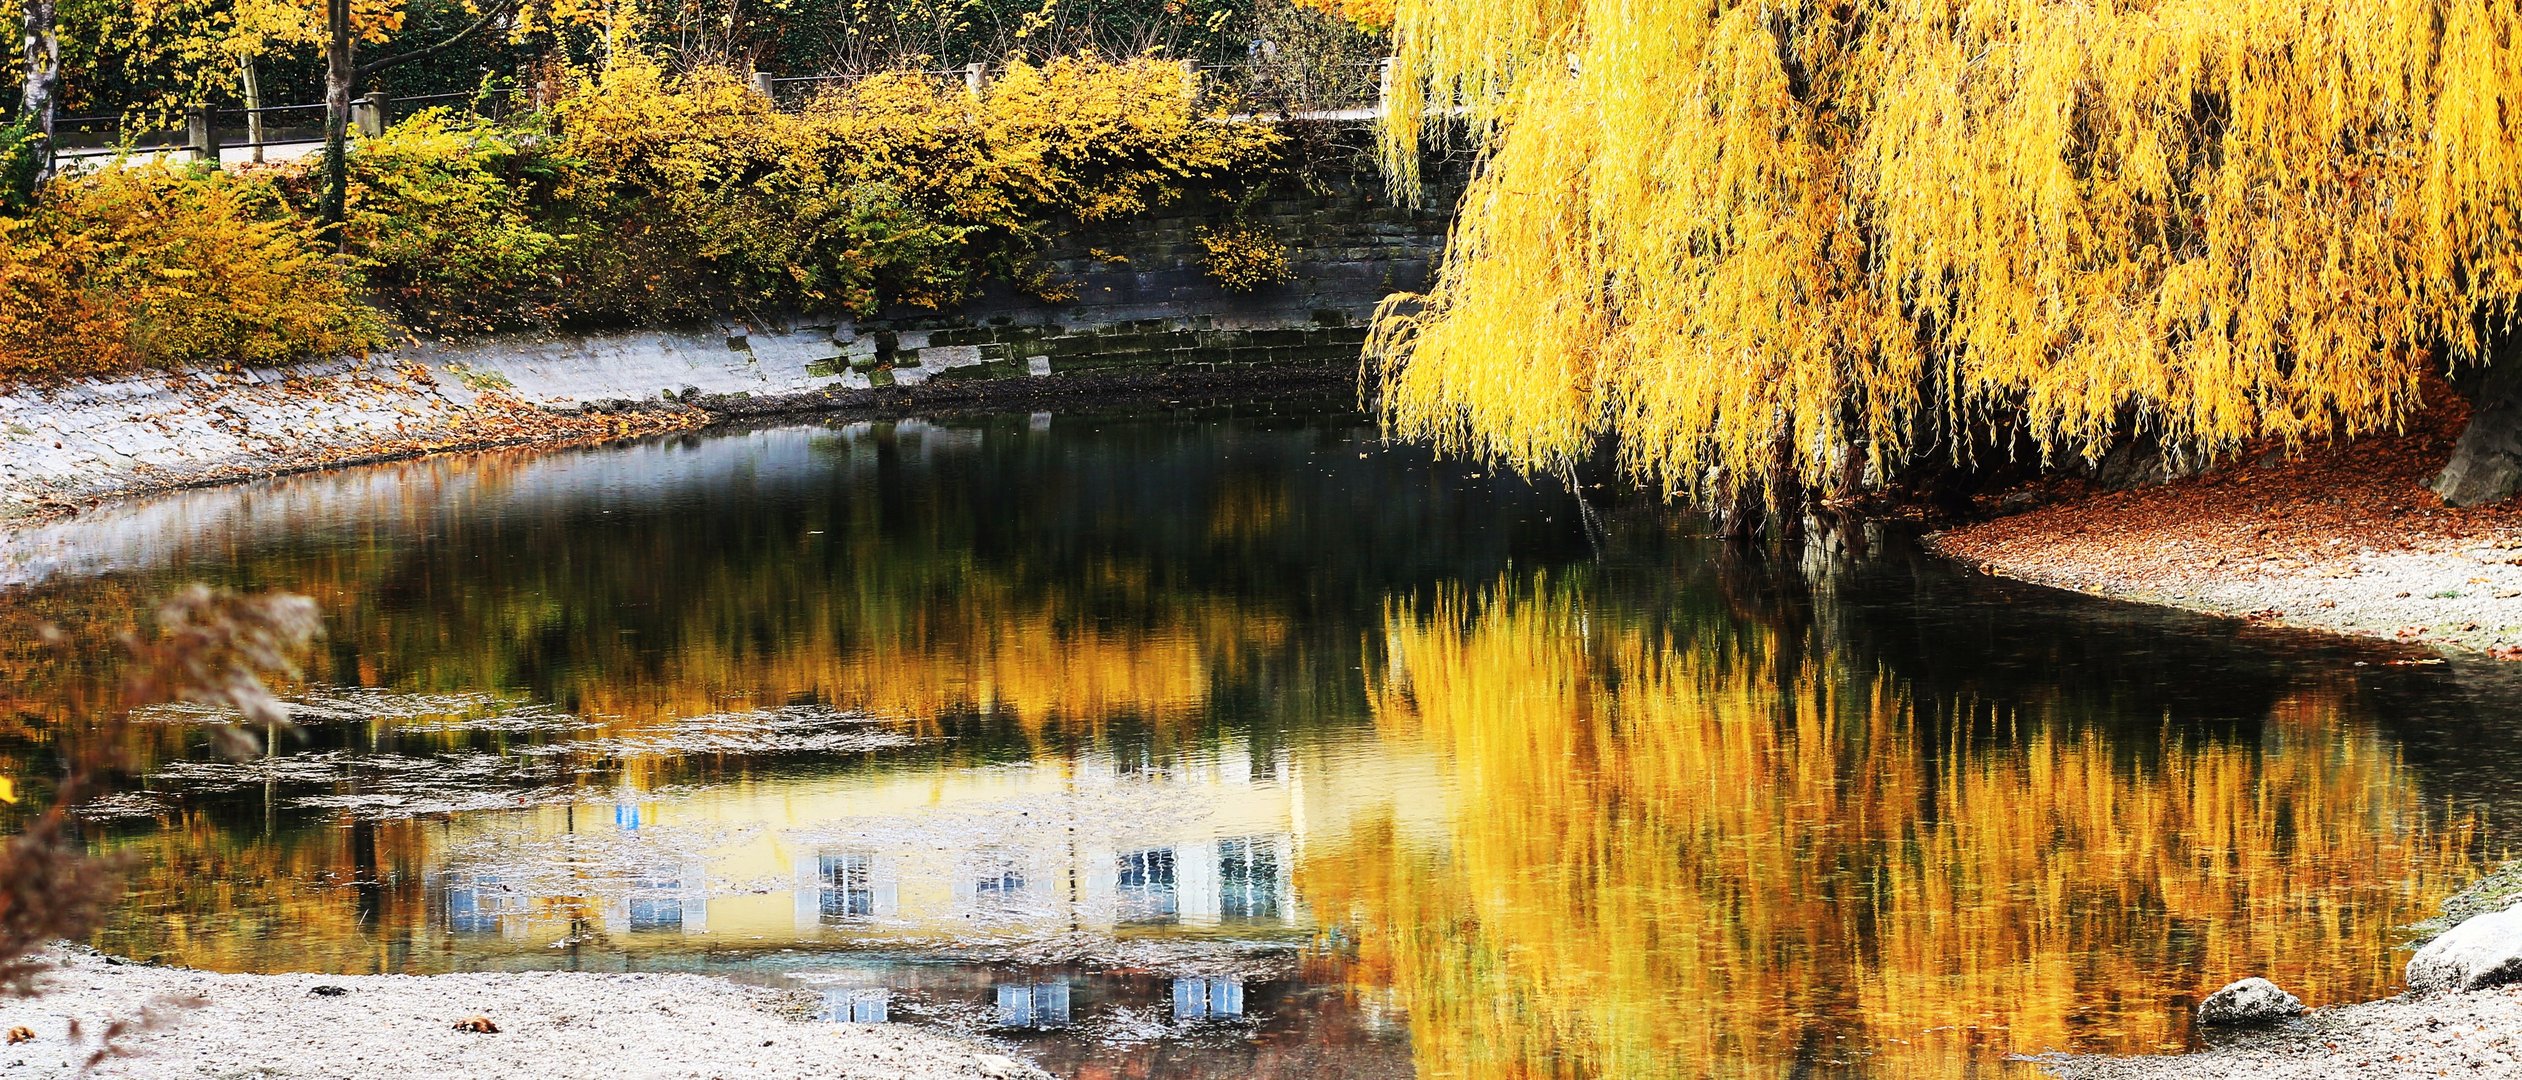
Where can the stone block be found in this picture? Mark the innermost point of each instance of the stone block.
(942, 357)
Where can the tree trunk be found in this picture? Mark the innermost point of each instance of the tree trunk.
(341, 81)
(253, 104)
(41, 48)
(2486, 464)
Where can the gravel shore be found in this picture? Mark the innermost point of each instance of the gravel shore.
(399, 1027)
(2476, 1034)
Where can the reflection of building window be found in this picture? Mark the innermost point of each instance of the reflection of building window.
(858, 1005)
(1002, 886)
(476, 904)
(1033, 1005)
(848, 884)
(1147, 885)
(1207, 998)
(1248, 879)
(656, 905)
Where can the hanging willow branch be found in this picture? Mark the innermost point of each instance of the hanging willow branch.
(1719, 229)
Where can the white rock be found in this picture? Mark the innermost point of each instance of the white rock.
(2250, 1001)
(2484, 951)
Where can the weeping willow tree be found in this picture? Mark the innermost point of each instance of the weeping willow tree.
(1781, 247)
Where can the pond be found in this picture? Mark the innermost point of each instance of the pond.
(1223, 740)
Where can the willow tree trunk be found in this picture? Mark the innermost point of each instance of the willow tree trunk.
(2486, 463)
(41, 48)
(341, 81)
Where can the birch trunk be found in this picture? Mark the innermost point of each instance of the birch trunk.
(41, 49)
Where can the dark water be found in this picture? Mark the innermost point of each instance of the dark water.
(1224, 741)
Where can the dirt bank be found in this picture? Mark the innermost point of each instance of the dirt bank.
(2345, 539)
(397, 1027)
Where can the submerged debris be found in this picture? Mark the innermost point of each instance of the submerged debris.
(790, 729)
(383, 785)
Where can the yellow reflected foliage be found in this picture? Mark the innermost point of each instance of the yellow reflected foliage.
(1791, 243)
(217, 896)
(1690, 858)
(1039, 661)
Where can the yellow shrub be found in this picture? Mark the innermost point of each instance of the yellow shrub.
(445, 219)
(661, 197)
(155, 267)
(1244, 257)
(899, 188)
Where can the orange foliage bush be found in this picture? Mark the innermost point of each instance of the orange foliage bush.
(135, 268)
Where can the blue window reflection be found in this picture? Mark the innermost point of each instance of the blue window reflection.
(1033, 1005)
(1248, 879)
(1209, 998)
(1147, 890)
(857, 1005)
(848, 885)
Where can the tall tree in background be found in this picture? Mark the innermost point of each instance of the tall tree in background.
(40, 47)
(1785, 246)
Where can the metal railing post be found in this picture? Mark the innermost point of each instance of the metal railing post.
(1383, 87)
(972, 78)
(201, 133)
(762, 85)
(1191, 81)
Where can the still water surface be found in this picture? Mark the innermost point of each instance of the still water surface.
(1225, 741)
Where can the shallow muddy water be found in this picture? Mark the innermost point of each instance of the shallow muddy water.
(1225, 741)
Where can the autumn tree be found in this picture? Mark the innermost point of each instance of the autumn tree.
(1786, 246)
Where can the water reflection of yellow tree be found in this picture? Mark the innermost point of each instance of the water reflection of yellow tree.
(1667, 859)
(221, 897)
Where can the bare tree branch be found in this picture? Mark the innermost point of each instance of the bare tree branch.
(490, 17)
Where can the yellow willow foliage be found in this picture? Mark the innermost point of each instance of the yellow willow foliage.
(1786, 242)
(1703, 860)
